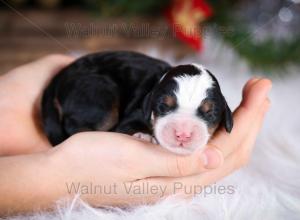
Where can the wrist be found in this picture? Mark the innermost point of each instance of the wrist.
(65, 169)
(30, 182)
(58, 172)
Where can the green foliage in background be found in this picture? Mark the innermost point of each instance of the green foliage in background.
(267, 54)
(128, 7)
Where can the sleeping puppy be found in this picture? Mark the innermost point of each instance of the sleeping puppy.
(132, 93)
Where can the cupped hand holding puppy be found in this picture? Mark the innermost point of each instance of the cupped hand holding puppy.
(107, 159)
(139, 164)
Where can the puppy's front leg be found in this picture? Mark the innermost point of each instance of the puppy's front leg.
(136, 127)
(145, 137)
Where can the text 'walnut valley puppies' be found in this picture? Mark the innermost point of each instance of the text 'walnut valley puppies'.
(138, 95)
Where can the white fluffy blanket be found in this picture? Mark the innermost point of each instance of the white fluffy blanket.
(268, 188)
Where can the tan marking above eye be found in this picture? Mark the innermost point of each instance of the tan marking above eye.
(111, 120)
(206, 106)
(170, 101)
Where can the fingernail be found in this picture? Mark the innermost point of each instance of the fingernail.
(212, 158)
(269, 86)
(255, 79)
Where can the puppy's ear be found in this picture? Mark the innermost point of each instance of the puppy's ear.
(227, 118)
(146, 107)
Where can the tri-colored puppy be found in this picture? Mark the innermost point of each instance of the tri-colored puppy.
(135, 94)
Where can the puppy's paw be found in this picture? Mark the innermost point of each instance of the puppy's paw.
(145, 137)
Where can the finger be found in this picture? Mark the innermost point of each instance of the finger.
(243, 118)
(168, 164)
(39, 73)
(248, 143)
(249, 84)
(195, 184)
(51, 64)
(157, 161)
(258, 91)
(48, 64)
(241, 156)
(187, 186)
(165, 163)
(33, 76)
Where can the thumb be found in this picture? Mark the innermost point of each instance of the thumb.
(165, 163)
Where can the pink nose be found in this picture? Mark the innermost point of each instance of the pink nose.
(182, 136)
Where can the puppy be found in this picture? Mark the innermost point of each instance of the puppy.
(132, 93)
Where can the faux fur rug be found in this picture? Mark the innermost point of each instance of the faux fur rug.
(268, 188)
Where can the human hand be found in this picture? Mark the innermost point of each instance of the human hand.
(115, 161)
(20, 91)
(108, 158)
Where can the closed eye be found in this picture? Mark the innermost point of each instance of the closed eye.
(207, 106)
(163, 108)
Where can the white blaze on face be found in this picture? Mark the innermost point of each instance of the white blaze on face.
(192, 90)
(182, 131)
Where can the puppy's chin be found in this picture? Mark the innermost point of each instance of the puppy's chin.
(179, 150)
(164, 132)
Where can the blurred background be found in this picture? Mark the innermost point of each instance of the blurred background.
(235, 39)
(265, 34)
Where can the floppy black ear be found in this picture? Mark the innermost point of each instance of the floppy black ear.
(146, 107)
(227, 118)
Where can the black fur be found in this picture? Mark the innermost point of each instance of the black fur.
(221, 112)
(118, 91)
(90, 88)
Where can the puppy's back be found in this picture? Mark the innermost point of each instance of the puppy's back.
(90, 93)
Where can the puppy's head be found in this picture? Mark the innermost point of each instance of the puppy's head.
(186, 107)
